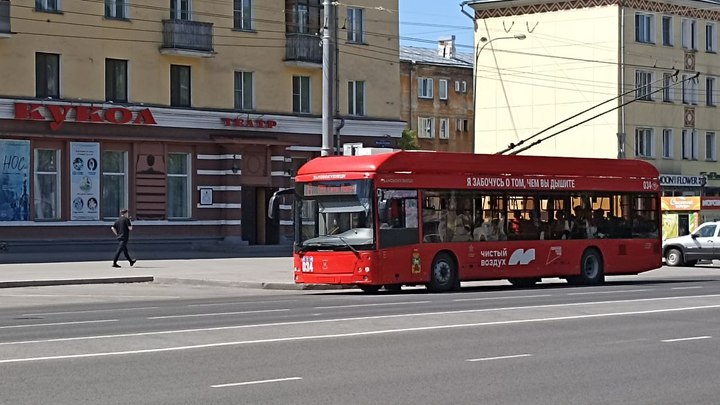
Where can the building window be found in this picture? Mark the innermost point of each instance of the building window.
(301, 94)
(242, 15)
(667, 143)
(643, 85)
(180, 9)
(443, 89)
(689, 90)
(710, 146)
(180, 86)
(114, 183)
(689, 34)
(47, 5)
(689, 144)
(425, 87)
(710, 38)
(116, 9)
(463, 87)
(356, 98)
(47, 75)
(667, 30)
(644, 28)
(466, 128)
(710, 91)
(178, 189)
(644, 142)
(47, 184)
(457, 86)
(458, 125)
(426, 127)
(244, 91)
(355, 25)
(444, 128)
(116, 84)
(667, 87)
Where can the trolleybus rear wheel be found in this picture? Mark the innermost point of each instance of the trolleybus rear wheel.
(443, 274)
(591, 269)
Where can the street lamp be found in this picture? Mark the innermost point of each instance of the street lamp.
(485, 42)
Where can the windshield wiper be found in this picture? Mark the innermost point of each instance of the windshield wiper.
(346, 244)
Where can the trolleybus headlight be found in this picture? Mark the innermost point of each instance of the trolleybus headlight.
(367, 269)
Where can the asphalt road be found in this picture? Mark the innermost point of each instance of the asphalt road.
(632, 341)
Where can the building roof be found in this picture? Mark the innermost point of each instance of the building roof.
(429, 56)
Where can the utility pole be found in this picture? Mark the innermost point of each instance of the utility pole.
(328, 72)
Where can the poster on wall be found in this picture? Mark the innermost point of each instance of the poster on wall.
(85, 181)
(14, 168)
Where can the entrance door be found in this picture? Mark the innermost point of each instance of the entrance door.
(683, 224)
(257, 228)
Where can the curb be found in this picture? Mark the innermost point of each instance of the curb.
(261, 285)
(44, 283)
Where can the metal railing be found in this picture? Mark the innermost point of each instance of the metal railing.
(188, 35)
(303, 48)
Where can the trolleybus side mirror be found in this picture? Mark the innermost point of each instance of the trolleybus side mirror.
(274, 203)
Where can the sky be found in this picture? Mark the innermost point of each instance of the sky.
(429, 20)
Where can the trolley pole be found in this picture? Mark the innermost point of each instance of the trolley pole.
(328, 70)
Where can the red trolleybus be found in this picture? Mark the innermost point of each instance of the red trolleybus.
(436, 219)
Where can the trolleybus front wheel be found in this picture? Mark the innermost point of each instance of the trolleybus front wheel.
(443, 274)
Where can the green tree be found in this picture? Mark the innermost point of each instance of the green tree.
(409, 140)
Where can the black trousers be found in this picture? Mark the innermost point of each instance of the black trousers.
(122, 247)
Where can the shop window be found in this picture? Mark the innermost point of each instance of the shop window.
(179, 86)
(47, 184)
(47, 75)
(116, 84)
(114, 181)
(178, 190)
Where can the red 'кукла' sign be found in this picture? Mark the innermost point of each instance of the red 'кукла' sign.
(58, 114)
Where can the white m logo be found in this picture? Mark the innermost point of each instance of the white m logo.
(521, 256)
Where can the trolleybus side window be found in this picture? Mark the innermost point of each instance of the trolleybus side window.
(398, 217)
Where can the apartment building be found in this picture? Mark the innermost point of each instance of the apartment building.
(436, 96)
(645, 74)
(191, 113)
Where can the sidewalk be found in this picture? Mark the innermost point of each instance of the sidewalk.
(247, 272)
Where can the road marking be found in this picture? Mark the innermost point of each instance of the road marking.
(374, 317)
(256, 382)
(686, 339)
(503, 298)
(88, 311)
(217, 314)
(610, 292)
(686, 288)
(56, 324)
(328, 336)
(374, 305)
(500, 357)
(240, 303)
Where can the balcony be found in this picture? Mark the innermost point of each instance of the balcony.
(187, 38)
(5, 18)
(303, 48)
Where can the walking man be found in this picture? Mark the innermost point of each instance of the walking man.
(121, 228)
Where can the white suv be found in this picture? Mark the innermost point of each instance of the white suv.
(702, 244)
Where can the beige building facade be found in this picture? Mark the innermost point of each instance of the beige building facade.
(436, 96)
(192, 112)
(628, 80)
